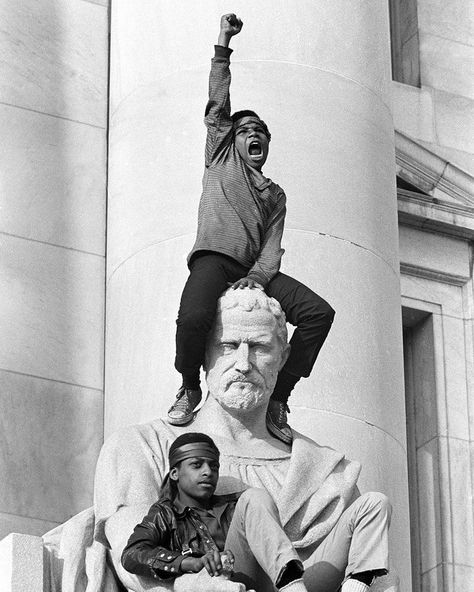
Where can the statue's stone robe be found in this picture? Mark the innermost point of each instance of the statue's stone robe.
(313, 489)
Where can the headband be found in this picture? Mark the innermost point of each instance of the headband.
(255, 118)
(200, 449)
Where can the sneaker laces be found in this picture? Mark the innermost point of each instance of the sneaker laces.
(182, 401)
(283, 409)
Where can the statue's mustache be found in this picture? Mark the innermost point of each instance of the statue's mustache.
(238, 377)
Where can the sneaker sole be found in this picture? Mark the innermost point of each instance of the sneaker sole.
(277, 433)
(181, 421)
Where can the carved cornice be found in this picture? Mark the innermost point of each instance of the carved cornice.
(433, 274)
(446, 199)
(431, 173)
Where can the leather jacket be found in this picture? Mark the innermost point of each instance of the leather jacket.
(166, 535)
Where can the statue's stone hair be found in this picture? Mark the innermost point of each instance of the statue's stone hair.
(251, 299)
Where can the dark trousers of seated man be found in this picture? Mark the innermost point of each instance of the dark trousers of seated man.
(358, 543)
(210, 275)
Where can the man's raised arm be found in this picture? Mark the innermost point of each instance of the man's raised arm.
(230, 26)
(217, 116)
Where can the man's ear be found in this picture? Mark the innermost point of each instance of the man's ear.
(284, 356)
(174, 474)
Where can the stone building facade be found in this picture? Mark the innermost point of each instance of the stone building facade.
(379, 178)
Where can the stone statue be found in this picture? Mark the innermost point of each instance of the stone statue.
(312, 485)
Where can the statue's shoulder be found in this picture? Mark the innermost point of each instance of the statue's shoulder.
(132, 464)
(306, 448)
(134, 441)
(149, 431)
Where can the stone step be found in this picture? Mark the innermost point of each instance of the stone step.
(22, 567)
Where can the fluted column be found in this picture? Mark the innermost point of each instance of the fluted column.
(319, 74)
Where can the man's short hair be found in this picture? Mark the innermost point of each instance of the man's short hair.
(248, 113)
(249, 299)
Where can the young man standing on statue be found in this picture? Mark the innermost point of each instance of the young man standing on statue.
(240, 226)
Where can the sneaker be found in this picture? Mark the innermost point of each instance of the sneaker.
(181, 411)
(277, 421)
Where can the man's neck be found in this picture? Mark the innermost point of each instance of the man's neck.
(257, 175)
(182, 501)
(245, 432)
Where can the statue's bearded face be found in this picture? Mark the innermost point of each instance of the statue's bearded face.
(243, 358)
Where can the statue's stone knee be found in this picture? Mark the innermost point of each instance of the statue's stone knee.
(255, 495)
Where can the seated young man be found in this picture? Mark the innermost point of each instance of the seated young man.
(189, 528)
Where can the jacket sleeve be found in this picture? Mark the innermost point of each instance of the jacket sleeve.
(217, 116)
(147, 552)
(268, 261)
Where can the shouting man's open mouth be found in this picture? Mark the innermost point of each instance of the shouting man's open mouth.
(255, 149)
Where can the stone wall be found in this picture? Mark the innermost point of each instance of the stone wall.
(53, 111)
(441, 113)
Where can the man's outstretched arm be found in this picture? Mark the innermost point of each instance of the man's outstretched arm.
(217, 116)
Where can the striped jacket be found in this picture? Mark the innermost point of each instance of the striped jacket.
(237, 217)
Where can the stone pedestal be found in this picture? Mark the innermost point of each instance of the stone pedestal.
(21, 564)
(319, 74)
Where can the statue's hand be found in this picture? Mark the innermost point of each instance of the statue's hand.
(203, 582)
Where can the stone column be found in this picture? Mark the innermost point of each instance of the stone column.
(319, 74)
(53, 117)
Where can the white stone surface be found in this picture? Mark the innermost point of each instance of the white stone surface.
(450, 20)
(357, 368)
(50, 445)
(454, 121)
(429, 505)
(54, 58)
(307, 27)
(434, 292)
(457, 379)
(442, 254)
(100, 2)
(413, 111)
(53, 106)
(383, 460)
(462, 577)
(51, 319)
(459, 481)
(142, 379)
(446, 51)
(420, 384)
(447, 65)
(444, 460)
(53, 180)
(440, 114)
(21, 564)
(461, 158)
(433, 581)
(22, 524)
(452, 358)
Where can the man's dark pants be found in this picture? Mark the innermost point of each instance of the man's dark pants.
(210, 275)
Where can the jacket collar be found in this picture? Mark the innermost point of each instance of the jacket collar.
(181, 510)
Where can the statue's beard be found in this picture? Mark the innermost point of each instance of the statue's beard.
(236, 393)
